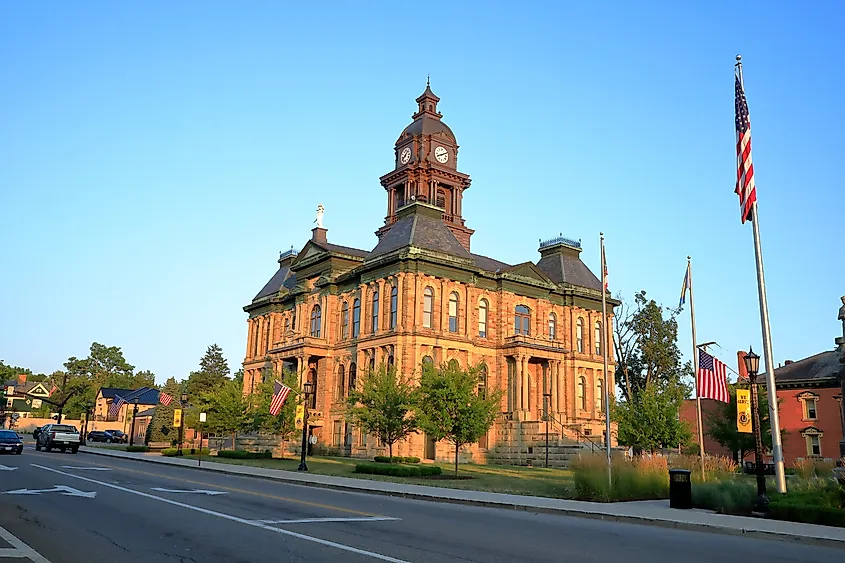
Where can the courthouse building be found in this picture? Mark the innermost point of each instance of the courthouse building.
(421, 294)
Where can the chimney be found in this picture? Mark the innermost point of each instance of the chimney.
(318, 235)
(740, 357)
(787, 362)
(21, 378)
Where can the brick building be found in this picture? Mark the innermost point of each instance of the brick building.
(420, 294)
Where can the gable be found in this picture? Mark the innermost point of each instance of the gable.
(39, 390)
(530, 271)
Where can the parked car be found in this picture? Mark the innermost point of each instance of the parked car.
(117, 436)
(10, 442)
(97, 436)
(62, 436)
(108, 436)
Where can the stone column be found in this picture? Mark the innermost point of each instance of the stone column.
(517, 385)
(400, 301)
(249, 338)
(526, 397)
(561, 387)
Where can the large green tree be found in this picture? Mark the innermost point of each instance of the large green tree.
(9, 372)
(454, 404)
(284, 424)
(229, 411)
(161, 428)
(213, 373)
(650, 420)
(383, 405)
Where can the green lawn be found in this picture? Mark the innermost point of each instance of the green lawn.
(534, 481)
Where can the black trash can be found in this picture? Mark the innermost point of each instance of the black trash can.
(680, 488)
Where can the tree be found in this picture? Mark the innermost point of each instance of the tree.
(453, 404)
(384, 406)
(230, 411)
(9, 372)
(161, 428)
(650, 420)
(283, 425)
(213, 373)
(721, 425)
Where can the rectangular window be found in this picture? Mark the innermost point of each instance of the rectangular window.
(362, 438)
(394, 306)
(814, 446)
(482, 322)
(810, 409)
(337, 434)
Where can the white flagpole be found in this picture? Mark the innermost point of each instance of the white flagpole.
(774, 419)
(695, 370)
(606, 386)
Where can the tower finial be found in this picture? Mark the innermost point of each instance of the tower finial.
(428, 80)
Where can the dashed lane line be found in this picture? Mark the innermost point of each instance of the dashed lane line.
(230, 517)
(19, 549)
(324, 520)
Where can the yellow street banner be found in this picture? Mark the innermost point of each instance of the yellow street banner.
(177, 418)
(300, 415)
(743, 410)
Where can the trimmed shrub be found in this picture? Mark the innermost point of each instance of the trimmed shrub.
(137, 448)
(243, 454)
(734, 496)
(195, 451)
(396, 470)
(169, 452)
(395, 459)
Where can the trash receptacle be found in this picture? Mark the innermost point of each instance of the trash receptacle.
(680, 488)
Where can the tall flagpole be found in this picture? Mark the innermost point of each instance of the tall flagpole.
(695, 369)
(774, 418)
(606, 386)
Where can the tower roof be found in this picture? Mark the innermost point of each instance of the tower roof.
(427, 120)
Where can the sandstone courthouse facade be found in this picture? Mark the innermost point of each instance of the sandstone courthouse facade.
(332, 312)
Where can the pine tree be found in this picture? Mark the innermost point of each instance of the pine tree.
(161, 426)
(213, 373)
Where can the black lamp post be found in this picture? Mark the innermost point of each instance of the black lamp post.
(752, 366)
(307, 389)
(134, 416)
(182, 403)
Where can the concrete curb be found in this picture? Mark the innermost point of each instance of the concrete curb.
(595, 515)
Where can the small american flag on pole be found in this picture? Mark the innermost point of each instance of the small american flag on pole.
(164, 398)
(745, 188)
(280, 393)
(114, 409)
(712, 378)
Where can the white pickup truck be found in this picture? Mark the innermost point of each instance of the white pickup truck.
(62, 436)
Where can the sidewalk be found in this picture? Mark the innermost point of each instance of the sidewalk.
(655, 513)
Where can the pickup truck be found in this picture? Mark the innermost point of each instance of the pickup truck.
(62, 436)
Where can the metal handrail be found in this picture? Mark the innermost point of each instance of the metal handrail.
(594, 445)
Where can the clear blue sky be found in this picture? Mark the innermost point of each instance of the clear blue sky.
(156, 157)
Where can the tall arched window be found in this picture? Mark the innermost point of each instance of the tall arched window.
(453, 364)
(373, 362)
(353, 376)
(394, 306)
(582, 393)
(293, 319)
(375, 310)
(598, 338)
(482, 318)
(599, 395)
(287, 326)
(341, 383)
(428, 306)
(552, 326)
(356, 318)
(522, 320)
(427, 361)
(453, 312)
(390, 361)
(579, 335)
(344, 321)
(316, 318)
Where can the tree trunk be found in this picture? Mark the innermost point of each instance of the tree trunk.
(59, 419)
(283, 448)
(457, 447)
(234, 442)
(390, 451)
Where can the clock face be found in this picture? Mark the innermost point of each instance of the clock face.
(405, 155)
(441, 154)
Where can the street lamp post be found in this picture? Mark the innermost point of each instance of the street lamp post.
(547, 398)
(307, 389)
(752, 366)
(182, 403)
(134, 415)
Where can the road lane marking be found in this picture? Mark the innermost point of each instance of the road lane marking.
(322, 520)
(198, 491)
(64, 489)
(248, 492)
(20, 549)
(7, 468)
(89, 468)
(230, 517)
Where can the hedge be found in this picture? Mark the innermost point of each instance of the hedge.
(169, 452)
(395, 470)
(137, 448)
(243, 454)
(395, 459)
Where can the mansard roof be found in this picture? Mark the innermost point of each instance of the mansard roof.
(818, 368)
(420, 226)
(283, 278)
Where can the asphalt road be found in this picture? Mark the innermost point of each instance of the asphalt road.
(94, 509)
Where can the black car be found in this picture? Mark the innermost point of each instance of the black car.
(10, 442)
(108, 436)
(117, 436)
(97, 436)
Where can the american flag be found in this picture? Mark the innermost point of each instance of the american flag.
(164, 398)
(712, 378)
(114, 409)
(280, 393)
(745, 188)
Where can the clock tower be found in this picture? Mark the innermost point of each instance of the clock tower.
(426, 169)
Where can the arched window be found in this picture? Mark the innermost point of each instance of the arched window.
(293, 319)
(312, 398)
(373, 362)
(598, 338)
(344, 321)
(428, 306)
(427, 361)
(453, 312)
(287, 326)
(552, 326)
(316, 318)
(453, 364)
(390, 361)
(579, 335)
(356, 318)
(599, 395)
(482, 318)
(375, 310)
(394, 306)
(522, 320)
(353, 376)
(341, 383)
(482, 381)
(582, 393)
